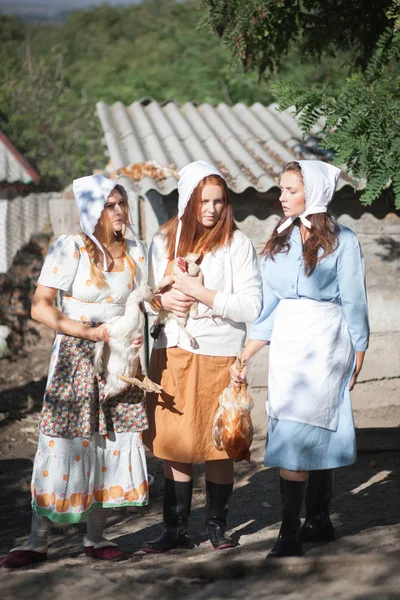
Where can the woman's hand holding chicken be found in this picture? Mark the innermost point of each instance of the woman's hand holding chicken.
(194, 287)
(177, 302)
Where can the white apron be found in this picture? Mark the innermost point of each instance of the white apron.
(311, 361)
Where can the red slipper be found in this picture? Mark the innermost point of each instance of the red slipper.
(225, 545)
(23, 558)
(106, 553)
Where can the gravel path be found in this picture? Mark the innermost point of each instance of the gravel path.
(362, 564)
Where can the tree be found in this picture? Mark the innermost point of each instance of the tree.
(55, 128)
(362, 118)
(52, 75)
(260, 32)
(52, 125)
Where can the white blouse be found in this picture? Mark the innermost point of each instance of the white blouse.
(232, 272)
(67, 268)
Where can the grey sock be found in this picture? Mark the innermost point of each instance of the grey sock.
(39, 537)
(96, 522)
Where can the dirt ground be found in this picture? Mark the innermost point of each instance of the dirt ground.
(362, 564)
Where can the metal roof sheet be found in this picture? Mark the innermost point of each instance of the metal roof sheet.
(249, 144)
(13, 166)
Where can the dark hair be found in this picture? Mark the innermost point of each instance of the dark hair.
(323, 234)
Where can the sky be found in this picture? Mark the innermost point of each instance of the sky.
(49, 8)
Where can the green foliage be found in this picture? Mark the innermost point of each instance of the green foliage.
(257, 32)
(362, 115)
(260, 32)
(53, 75)
(11, 37)
(394, 13)
(362, 119)
(55, 128)
(50, 123)
(153, 49)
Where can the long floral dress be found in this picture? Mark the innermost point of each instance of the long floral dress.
(89, 454)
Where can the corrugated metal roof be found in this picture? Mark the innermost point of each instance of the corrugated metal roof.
(13, 166)
(249, 144)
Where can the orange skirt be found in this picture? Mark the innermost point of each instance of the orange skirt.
(181, 417)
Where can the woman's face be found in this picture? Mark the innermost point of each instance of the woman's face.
(115, 209)
(211, 205)
(292, 195)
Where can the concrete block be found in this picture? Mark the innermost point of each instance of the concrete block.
(258, 370)
(377, 396)
(382, 358)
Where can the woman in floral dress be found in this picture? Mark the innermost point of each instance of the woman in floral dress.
(90, 454)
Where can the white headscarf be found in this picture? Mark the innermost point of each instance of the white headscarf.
(320, 181)
(189, 178)
(91, 195)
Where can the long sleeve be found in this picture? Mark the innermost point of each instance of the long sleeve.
(244, 303)
(353, 296)
(262, 328)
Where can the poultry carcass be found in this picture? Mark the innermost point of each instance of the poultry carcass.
(232, 427)
(189, 267)
(118, 360)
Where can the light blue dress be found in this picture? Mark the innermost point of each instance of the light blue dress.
(338, 278)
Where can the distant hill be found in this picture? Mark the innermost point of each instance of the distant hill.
(52, 10)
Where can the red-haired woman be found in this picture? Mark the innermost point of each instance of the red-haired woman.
(90, 454)
(315, 315)
(227, 287)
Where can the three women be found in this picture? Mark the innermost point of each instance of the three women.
(314, 313)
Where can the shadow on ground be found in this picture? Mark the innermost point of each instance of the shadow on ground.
(367, 496)
(17, 402)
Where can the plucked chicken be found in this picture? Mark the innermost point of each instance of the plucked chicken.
(232, 427)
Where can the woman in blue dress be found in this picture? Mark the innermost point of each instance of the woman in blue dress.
(315, 317)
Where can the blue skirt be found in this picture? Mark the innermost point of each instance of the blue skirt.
(300, 447)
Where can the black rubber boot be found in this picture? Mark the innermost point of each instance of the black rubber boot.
(317, 526)
(288, 542)
(177, 505)
(218, 496)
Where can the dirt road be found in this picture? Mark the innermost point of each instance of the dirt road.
(363, 563)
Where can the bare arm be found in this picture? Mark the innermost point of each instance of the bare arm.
(250, 349)
(44, 311)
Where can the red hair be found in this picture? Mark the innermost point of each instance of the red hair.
(211, 238)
